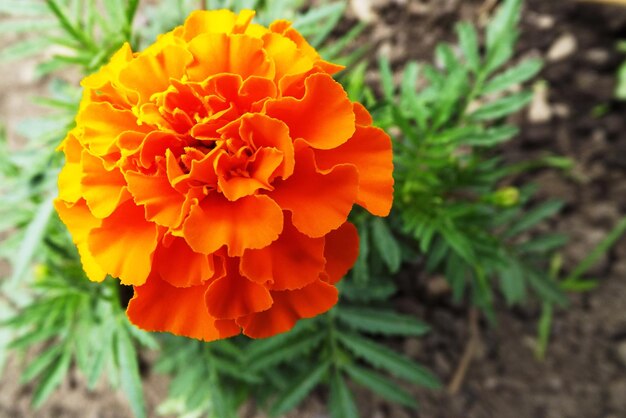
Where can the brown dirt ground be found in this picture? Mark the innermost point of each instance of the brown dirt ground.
(584, 373)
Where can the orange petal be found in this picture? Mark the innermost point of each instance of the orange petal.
(289, 306)
(323, 117)
(288, 59)
(163, 203)
(291, 262)
(234, 296)
(103, 189)
(263, 131)
(284, 28)
(123, 245)
(319, 201)
(148, 74)
(158, 306)
(361, 114)
(180, 266)
(102, 124)
(370, 151)
(202, 21)
(260, 167)
(341, 251)
(250, 222)
(217, 53)
(80, 221)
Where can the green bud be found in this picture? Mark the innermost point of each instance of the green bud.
(507, 196)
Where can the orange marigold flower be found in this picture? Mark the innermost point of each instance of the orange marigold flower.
(215, 172)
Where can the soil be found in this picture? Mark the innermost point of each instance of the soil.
(584, 372)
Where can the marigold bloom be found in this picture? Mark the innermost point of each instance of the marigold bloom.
(215, 172)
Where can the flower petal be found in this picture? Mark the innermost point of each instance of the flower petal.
(102, 124)
(103, 189)
(323, 117)
(318, 201)
(289, 306)
(293, 261)
(369, 150)
(163, 204)
(250, 222)
(80, 221)
(158, 306)
(341, 251)
(234, 296)
(180, 266)
(217, 53)
(123, 245)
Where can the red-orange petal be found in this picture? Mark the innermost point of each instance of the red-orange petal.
(289, 306)
(163, 204)
(234, 296)
(248, 223)
(369, 150)
(123, 245)
(318, 201)
(323, 117)
(341, 251)
(159, 306)
(180, 266)
(293, 261)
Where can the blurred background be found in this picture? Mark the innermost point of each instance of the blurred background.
(577, 111)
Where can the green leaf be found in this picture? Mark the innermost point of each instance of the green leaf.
(23, 49)
(385, 358)
(602, 248)
(285, 352)
(502, 107)
(547, 288)
(380, 385)
(386, 79)
(19, 26)
(296, 393)
(129, 371)
(533, 217)
(491, 136)
(543, 244)
(37, 335)
(544, 328)
(379, 321)
(513, 284)
(505, 20)
(32, 238)
(386, 244)
(469, 44)
(513, 76)
(341, 403)
(40, 363)
(52, 378)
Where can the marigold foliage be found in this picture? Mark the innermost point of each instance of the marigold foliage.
(215, 172)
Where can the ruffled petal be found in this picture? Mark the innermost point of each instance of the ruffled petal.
(369, 150)
(234, 296)
(289, 306)
(323, 117)
(248, 223)
(103, 190)
(158, 306)
(341, 251)
(319, 201)
(80, 222)
(180, 266)
(102, 124)
(163, 204)
(124, 243)
(216, 53)
(293, 261)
